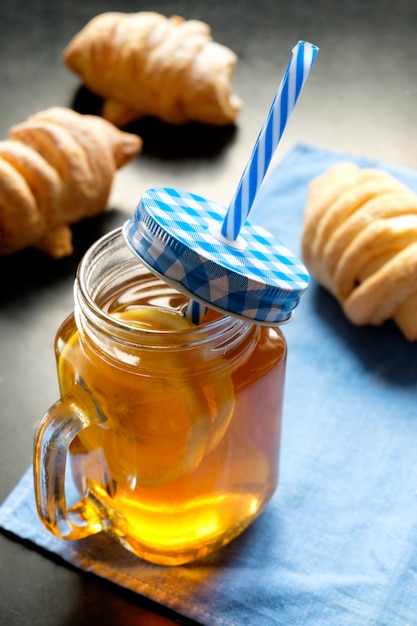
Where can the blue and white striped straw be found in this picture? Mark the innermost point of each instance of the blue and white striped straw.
(195, 311)
(301, 62)
(302, 59)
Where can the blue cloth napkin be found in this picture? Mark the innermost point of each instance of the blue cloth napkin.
(337, 545)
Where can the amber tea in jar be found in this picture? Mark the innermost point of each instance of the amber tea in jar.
(173, 429)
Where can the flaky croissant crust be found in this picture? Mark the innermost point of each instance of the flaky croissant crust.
(56, 168)
(360, 242)
(146, 64)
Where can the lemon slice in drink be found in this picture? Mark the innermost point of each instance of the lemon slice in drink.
(150, 318)
(176, 417)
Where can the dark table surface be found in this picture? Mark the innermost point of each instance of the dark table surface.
(361, 98)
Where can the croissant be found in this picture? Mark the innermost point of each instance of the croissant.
(56, 168)
(146, 64)
(360, 242)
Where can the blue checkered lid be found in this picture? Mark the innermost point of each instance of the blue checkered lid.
(177, 234)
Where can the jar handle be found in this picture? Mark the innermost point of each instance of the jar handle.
(54, 435)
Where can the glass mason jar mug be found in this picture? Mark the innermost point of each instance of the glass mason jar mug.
(172, 430)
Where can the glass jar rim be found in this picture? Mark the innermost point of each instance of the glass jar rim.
(102, 253)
